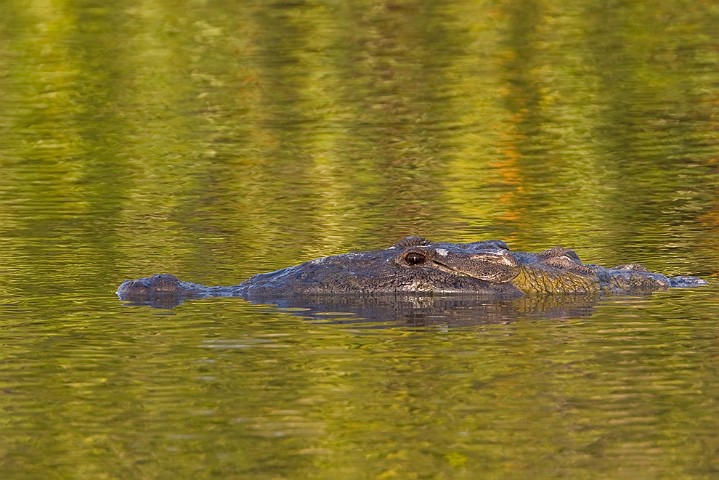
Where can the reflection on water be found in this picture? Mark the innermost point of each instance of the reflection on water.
(217, 140)
(246, 390)
(418, 310)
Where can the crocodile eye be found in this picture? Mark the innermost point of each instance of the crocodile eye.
(414, 258)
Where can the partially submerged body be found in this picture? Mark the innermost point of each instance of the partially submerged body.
(415, 265)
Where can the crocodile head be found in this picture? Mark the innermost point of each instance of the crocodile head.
(411, 265)
(557, 270)
(489, 261)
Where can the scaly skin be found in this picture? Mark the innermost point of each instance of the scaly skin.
(415, 265)
(541, 280)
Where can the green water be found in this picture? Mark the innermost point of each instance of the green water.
(218, 139)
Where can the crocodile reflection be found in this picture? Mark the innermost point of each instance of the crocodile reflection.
(455, 310)
(415, 266)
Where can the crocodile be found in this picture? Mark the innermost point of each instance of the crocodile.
(415, 265)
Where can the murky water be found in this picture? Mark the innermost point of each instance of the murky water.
(215, 140)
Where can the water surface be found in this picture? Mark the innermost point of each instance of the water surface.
(214, 141)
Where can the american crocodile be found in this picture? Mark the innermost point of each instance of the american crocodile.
(416, 265)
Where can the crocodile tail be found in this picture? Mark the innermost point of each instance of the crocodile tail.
(684, 281)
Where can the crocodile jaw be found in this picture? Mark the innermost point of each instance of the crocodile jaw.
(536, 279)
